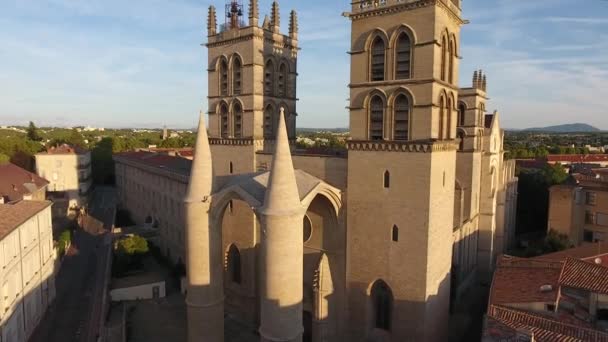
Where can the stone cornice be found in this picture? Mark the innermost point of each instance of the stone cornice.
(404, 82)
(408, 6)
(401, 146)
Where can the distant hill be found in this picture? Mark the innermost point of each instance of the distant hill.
(568, 128)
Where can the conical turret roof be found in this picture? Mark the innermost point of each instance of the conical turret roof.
(201, 175)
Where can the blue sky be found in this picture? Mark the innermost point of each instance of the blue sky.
(118, 63)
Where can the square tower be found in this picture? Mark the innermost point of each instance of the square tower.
(252, 74)
(401, 167)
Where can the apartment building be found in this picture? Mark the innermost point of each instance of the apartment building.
(18, 184)
(68, 170)
(27, 276)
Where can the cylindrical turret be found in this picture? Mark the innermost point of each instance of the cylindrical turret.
(282, 248)
(203, 249)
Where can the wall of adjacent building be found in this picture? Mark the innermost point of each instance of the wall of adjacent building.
(67, 173)
(27, 276)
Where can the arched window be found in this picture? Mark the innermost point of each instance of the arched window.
(225, 129)
(403, 57)
(402, 117)
(448, 121)
(382, 302)
(376, 118)
(450, 57)
(307, 225)
(462, 110)
(377, 59)
(387, 179)
(441, 131)
(482, 114)
(269, 78)
(269, 122)
(283, 80)
(234, 264)
(223, 77)
(395, 233)
(231, 168)
(237, 112)
(444, 46)
(236, 76)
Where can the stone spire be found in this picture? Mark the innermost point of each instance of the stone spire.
(293, 25)
(484, 83)
(266, 23)
(201, 176)
(254, 12)
(211, 22)
(275, 17)
(282, 193)
(475, 79)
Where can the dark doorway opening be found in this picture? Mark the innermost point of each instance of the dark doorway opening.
(307, 322)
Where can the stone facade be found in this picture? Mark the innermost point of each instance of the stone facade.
(384, 237)
(28, 267)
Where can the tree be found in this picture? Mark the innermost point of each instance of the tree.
(554, 174)
(4, 158)
(133, 245)
(32, 132)
(76, 139)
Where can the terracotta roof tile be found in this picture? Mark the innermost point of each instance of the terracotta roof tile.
(65, 149)
(518, 280)
(14, 214)
(584, 275)
(588, 250)
(543, 328)
(16, 182)
(577, 158)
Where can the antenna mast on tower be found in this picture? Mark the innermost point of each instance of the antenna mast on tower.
(234, 14)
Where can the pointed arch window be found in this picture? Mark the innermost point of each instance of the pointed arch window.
(462, 110)
(450, 58)
(283, 80)
(223, 77)
(269, 122)
(395, 233)
(482, 114)
(269, 78)
(382, 302)
(461, 141)
(237, 67)
(378, 52)
(376, 118)
(444, 45)
(403, 57)
(234, 264)
(225, 129)
(448, 119)
(441, 131)
(402, 117)
(237, 111)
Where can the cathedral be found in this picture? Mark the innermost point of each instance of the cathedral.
(375, 244)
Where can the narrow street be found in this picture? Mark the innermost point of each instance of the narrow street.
(76, 311)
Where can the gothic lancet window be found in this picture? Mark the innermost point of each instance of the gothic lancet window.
(377, 59)
(444, 45)
(234, 264)
(223, 77)
(225, 129)
(395, 234)
(236, 76)
(441, 131)
(387, 179)
(403, 57)
(269, 78)
(462, 110)
(237, 112)
(382, 302)
(402, 117)
(461, 141)
(376, 118)
(448, 119)
(282, 80)
(269, 122)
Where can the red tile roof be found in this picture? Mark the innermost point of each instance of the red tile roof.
(544, 329)
(584, 275)
(518, 280)
(577, 158)
(16, 182)
(15, 214)
(65, 149)
(587, 250)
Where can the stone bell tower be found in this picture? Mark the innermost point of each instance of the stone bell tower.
(252, 73)
(401, 167)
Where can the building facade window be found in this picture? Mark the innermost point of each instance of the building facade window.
(460, 141)
(590, 198)
(269, 122)
(378, 54)
(283, 80)
(387, 179)
(588, 235)
(269, 78)
(382, 302)
(376, 118)
(395, 233)
(402, 117)
(444, 52)
(403, 57)
(442, 114)
(225, 129)
(234, 264)
(462, 110)
(589, 217)
(237, 112)
(451, 59)
(223, 77)
(237, 76)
